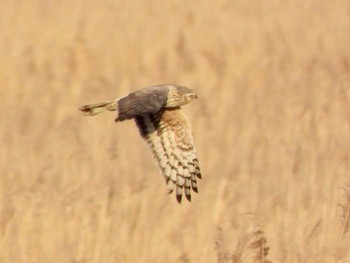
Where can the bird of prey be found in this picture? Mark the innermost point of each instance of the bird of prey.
(157, 113)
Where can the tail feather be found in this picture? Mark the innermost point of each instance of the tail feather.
(93, 109)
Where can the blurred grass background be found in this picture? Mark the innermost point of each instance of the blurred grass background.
(271, 126)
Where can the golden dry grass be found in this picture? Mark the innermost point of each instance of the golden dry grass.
(272, 130)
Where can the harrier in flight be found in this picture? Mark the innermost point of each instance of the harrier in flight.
(167, 131)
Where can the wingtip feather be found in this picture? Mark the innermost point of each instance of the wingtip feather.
(179, 198)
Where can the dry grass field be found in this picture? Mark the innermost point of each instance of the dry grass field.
(272, 131)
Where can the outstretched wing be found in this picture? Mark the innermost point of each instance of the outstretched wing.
(144, 101)
(168, 133)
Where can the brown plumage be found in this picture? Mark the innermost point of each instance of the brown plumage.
(158, 115)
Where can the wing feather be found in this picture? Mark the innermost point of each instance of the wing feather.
(169, 135)
(141, 102)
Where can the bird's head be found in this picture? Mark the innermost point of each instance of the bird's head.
(179, 96)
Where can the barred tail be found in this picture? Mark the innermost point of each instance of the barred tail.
(93, 109)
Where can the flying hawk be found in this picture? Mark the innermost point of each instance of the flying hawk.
(167, 131)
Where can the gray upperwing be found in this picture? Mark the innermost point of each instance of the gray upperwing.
(147, 100)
